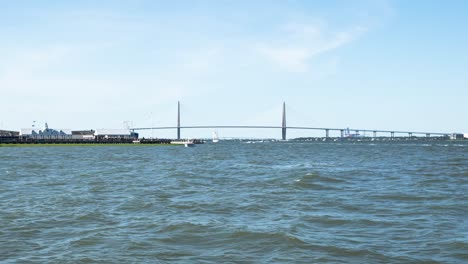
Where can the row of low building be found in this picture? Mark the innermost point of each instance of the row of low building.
(105, 134)
(69, 134)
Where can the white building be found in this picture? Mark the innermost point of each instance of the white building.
(113, 133)
(83, 134)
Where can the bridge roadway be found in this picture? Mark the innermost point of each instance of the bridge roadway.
(342, 130)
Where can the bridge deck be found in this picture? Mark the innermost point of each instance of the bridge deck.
(294, 127)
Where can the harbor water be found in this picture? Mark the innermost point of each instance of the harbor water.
(236, 202)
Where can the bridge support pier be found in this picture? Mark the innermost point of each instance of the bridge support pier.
(327, 133)
(392, 135)
(410, 135)
(341, 132)
(375, 134)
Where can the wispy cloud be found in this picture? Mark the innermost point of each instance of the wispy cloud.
(300, 43)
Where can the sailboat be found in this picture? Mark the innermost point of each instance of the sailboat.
(215, 137)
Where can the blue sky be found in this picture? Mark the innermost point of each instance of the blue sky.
(365, 64)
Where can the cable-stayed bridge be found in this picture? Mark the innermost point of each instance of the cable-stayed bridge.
(348, 132)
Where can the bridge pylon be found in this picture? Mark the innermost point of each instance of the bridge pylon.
(283, 124)
(178, 119)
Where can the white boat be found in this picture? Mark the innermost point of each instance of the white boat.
(186, 143)
(215, 137)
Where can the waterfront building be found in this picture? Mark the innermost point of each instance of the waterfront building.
(83, 134)
(456, 136)
(45, 133)
(8, 133)
(114, 134)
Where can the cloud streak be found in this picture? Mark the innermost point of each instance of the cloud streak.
(301, 43)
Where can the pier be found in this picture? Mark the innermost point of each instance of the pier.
(65, 140)
(14, 140)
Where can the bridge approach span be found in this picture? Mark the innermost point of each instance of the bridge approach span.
(295, 127)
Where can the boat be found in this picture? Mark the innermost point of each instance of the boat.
(189, 144)
(186, 143)
(215, 137)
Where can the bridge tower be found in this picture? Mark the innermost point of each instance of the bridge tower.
(283, 125)
(178, 120)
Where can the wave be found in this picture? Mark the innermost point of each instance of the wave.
(405, 197)
(316, 176)
(320, 251)
(93, 217)
(314, 186)
(316, 181)
(292, 166)
(267, 237)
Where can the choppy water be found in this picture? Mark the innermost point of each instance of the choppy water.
(274, 202)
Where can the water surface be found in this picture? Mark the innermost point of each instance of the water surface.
(232, 202)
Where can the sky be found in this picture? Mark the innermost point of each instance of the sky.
(370, 64)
